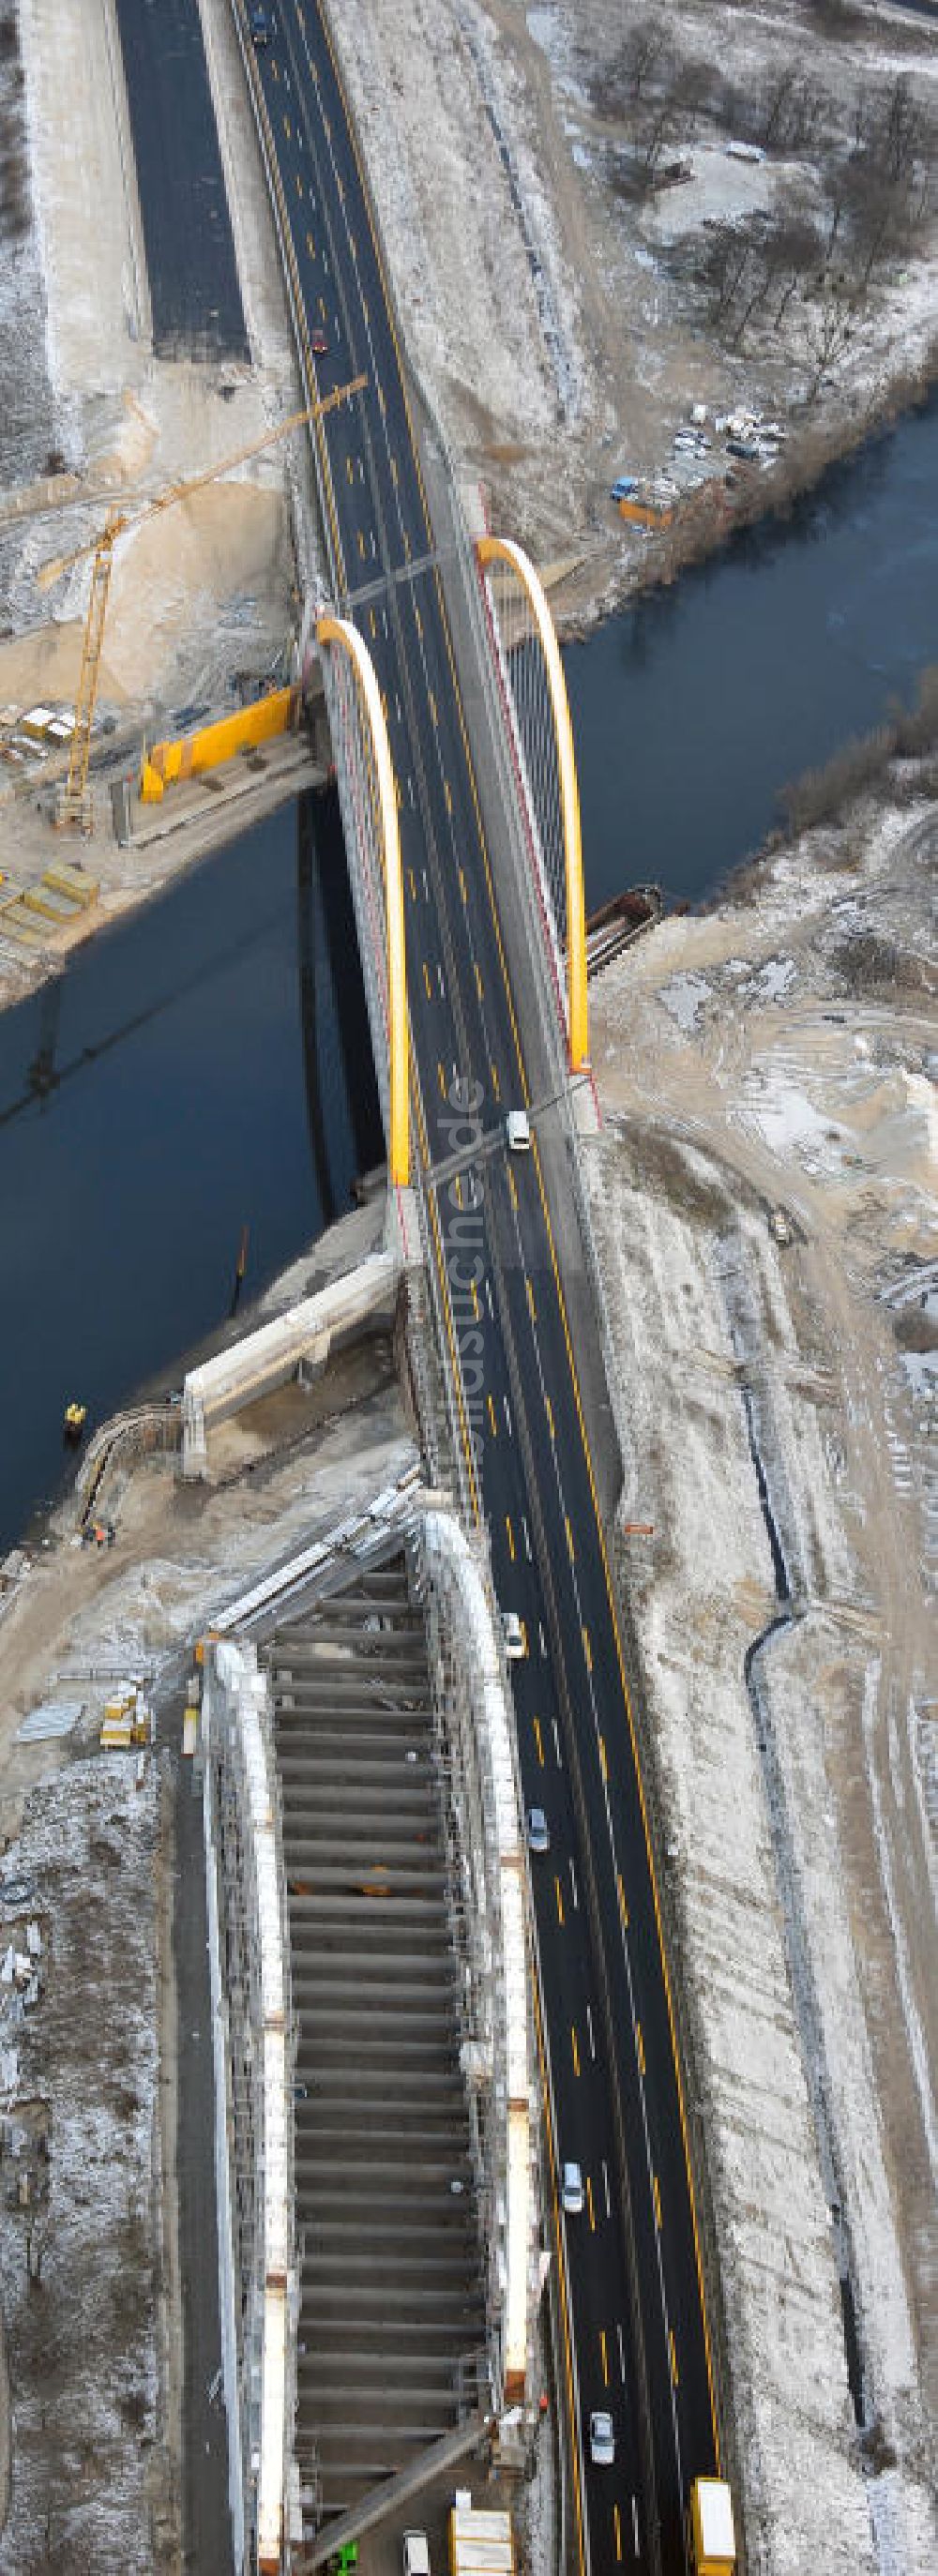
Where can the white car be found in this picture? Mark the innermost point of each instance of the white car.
(538, 1830)
(602, 2439)
(416, 2554)
(513, 1633)
(518, 1131)
(571, 2190)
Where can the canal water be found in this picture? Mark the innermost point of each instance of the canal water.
(695, 707)
(203, 1066)
(206, 1065)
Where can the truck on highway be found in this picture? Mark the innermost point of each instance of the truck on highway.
(710, 2523)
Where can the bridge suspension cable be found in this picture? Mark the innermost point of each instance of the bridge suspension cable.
(363, 753)
(538, 714)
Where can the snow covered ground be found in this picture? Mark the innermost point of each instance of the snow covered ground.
(782, 1057)
(80, 2260)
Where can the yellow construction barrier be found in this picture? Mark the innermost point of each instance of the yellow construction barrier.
(192, 753)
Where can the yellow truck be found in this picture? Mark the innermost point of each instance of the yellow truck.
(480, 2543)
(712, 2536)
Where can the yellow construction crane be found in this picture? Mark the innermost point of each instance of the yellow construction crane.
(102, 548)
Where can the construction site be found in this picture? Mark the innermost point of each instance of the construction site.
(286, 2224)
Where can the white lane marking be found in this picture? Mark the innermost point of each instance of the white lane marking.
(426, 897)
(488, 1290)
(439, 978)
(527, 1537)
(606, 2188)
(540, 1631)
(621, 2355)
(589, 2025)
(410, 788)
(557, 1744)
(506, 1408)
(575, 1889)
(635, 2525)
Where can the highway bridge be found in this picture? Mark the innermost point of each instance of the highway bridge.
(519, 1322)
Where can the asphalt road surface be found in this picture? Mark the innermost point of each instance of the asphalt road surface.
(195, 294)
(523, 1321)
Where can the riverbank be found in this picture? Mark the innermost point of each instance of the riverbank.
(108, 2235)
(557, 188)
(765, 1195)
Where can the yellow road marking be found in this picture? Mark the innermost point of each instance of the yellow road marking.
(512, 1550)
(441, 1077)
(673, 2350)
(512, 1017)
(539, 1741)
(640, 2046)
(643, 1804)
(587, 1649)
(623, 1908)
(479, 984)
(617, 2529)
(656, 2196)
(559, 1896)
(448, 798)
(464, 891)
(562, 2271)
(604, 2356)
(571, 1551)
(426, 979)
(531, 1303)
(475, 1299)
(549, 1410)
(589, 2202)
(310, 245)
(576, 2052)
(413, 885)
(496, 1085)
(602, 1757)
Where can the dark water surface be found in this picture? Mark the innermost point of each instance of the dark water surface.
(694, 707)
(210, 1068)
(210, 1061)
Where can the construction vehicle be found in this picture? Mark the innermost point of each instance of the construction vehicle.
(710, 2528)
(73, 809)
(480, 2543)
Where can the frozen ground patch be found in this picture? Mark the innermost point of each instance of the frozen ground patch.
(684, 997)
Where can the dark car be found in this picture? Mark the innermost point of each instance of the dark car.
(260, 26)
(318, 343)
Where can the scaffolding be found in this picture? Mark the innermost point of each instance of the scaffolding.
(488, 1906)
(253, 2043)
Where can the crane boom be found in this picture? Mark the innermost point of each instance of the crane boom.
(118, 520)
(102, 548)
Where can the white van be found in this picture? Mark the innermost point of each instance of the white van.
(416, 2554)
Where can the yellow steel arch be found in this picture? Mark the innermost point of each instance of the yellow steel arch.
(339, 630)
(503, 550)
